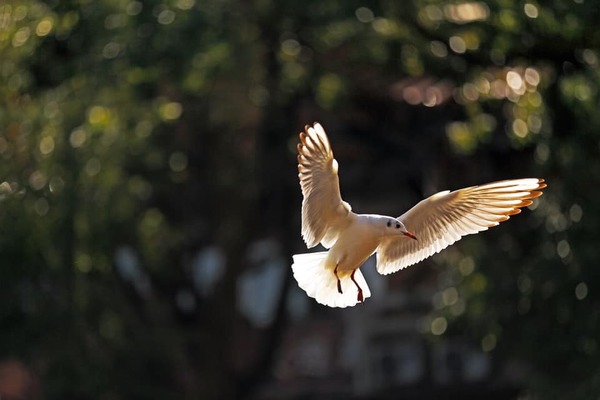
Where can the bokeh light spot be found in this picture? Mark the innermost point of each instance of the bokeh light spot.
(488, 343)
(438, 49)
(581, 291)
(563, 249)
(21, 36)
(364, 14)
(83, 263)
(44, 27)
(56, 184)
(37, 180)
(439, 326)
(590, 57)
(178, 162)
(290, 47)
(98, 115)
(166, 17)
(185, 4)
(47, 145)
(41, 206)
(134, 8)
(514, 80)
(519, 127)
(77, 137)
(532, 76)
(466, 266)
(457, 44)
(530, 10)
(171, 111)
(450, 296)
(111, 50)
(93, 167)
(575, 213)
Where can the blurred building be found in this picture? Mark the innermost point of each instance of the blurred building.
(382, 349)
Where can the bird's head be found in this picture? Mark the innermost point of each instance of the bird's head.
(394, 226)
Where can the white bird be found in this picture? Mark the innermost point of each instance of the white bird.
(333, 277)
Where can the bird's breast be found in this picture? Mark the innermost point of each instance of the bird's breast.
(353, 247)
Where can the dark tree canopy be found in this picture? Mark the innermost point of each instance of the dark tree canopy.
(139, 138)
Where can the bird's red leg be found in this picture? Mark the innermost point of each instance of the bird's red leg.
(339, 284)
(360, 297)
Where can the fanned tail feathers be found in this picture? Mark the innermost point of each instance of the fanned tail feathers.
(320, 283)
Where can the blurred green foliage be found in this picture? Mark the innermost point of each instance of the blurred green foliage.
(153, 125)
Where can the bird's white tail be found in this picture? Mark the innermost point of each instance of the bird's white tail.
(319, 281)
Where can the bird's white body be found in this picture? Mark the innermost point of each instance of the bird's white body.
(333, 277)
(358, 241)
(354, 245)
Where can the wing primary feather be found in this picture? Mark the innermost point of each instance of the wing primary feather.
(324, 212)
(445, 217)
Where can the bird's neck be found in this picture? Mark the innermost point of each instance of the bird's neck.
(374, 222)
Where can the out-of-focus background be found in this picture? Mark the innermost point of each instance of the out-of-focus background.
(149, 203)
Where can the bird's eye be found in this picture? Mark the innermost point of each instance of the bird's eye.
(389, 224)
(397, 226)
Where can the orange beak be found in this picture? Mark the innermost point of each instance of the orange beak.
(410, 235)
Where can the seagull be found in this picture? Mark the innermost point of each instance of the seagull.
(333, 277)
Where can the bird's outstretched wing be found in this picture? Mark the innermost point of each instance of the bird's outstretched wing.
(324, 213)
(445, 217)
